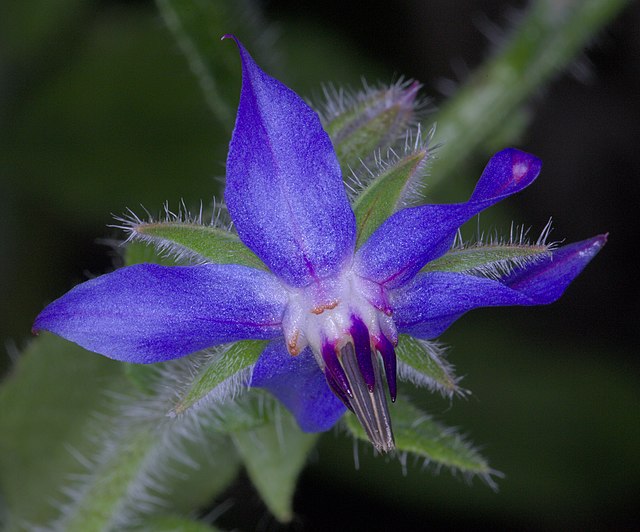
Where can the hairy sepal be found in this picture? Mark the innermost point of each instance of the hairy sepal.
(195, 243)
(222, 376)
(417, 433)
(379, 197)
(422, 363)
(370, 120)
(492, 259)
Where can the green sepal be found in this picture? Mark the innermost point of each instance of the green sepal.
(203, 243)
(137, 252)
(274, 454)
(385, 194)
(369, 121)
(420, 362)
(417, 433)
(217, 370)
(490, 259)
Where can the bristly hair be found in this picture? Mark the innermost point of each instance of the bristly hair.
(436, 352)
(487, 475)
(338, 100)
(133, 225)
(136, 424)
(414, 142)
(348, 110)
(520, 251)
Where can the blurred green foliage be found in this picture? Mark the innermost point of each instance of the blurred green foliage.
(100, 112)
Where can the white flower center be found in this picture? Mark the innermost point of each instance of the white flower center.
(323, 313)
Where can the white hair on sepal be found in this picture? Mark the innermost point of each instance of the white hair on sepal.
(135, 423)
(416, 141)
(522, 250)
(436, 352)
(414, 461)
(359, 180)
(344, 110)
(134, 227)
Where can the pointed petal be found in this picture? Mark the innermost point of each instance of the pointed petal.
(298, 382)
(284, 185)
(434, 300)
(149, 313)
(410, 238)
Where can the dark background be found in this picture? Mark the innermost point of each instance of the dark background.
(99, 112)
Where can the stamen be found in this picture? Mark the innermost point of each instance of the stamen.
(335, 374)
(362, 347)
(370, 407)
(388, 353)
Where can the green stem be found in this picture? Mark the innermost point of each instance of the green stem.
(548, 39)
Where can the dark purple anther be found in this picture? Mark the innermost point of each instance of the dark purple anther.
(335, 388)
(362, 347)
(386, 349)
(335, 374)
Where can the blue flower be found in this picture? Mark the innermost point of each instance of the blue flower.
(331, 312)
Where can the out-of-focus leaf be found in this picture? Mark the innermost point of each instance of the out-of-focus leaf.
(121, 125)
(46, 404)
(274, 455)
(174, 523)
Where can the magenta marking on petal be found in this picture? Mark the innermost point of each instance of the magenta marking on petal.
(362, 346)
(388, 353)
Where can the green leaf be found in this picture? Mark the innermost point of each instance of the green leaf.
(147, 464)
(491, 259)
(386, 193)
(421, 363)
(109, 482)
(274, 455)
(48, 431)
(198, 26)
(218, 370)
(371, 120)
(174, 523)
(202, 242)
(417, 433)
(46, 403)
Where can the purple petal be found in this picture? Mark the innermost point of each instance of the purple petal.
(300, 385)
(410, 238)
(149, 313)
(434, 300)
(284, 185)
